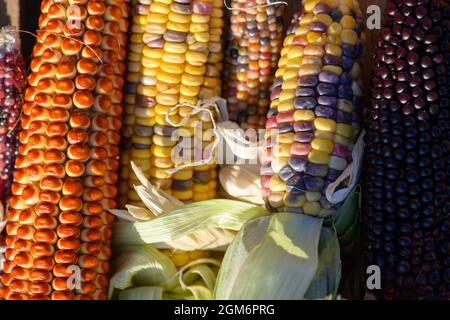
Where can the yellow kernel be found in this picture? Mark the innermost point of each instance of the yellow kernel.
(333, 50)
(295, 52)
(334, 29)
(153, 53)
(167, 88)
(316, 38)
(195, 70)
(156, 28)
(179, 18)
(203, 38)
(290, 73)
(196, 58)
(302, 30)
(294, 63)
(286, 138)
(189, 91)
(334, 69)
(175, 47)
(318, 157)
(304, 115)
(191, 80)
(188, 99)
(166, 99)
(287, 42)
(344, 130)
(287, 95)
(283, 106)
(323, 17)
(309, 69)
(183, 175)
(306, 19)
(199, 188)
(174, 57)
(282, 61)
(314, 50)
(150, 63)
(349, 36)
(171, 68)
(180, 27)
(162, 141)
(159, 7)
(325, 124)
(348, 22)
(150, 72)
(312, 60)
(163, 163)
(200, 196)
(157, 18)
(169, 77)
(198, 18)
(160, 151)
(310, 4)
(199, 27)
(276, 184)
(335, 40)
(141, 140)
(289, 84)
(149, 91)
(322, 145)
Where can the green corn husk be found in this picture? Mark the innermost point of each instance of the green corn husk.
(346, 219)
(282, 257)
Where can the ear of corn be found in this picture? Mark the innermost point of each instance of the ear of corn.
(314, 113)
(12, 76)
(65, 178)
(180, 63)
(406, 200)
(253, 50)
(132, 131)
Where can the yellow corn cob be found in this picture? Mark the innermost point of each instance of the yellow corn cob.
(65, 179)
(180, 63)
(133, 133)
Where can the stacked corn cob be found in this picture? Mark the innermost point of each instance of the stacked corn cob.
(65, 176)
(180, 63)
(314, 113)
(406, 201)
(253, 51)
(12, 74)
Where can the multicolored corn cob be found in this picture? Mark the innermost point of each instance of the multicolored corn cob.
(406, 198)
(314, 113)
(253, 51)
(65, 178)
(180, 63)
(12, 78)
